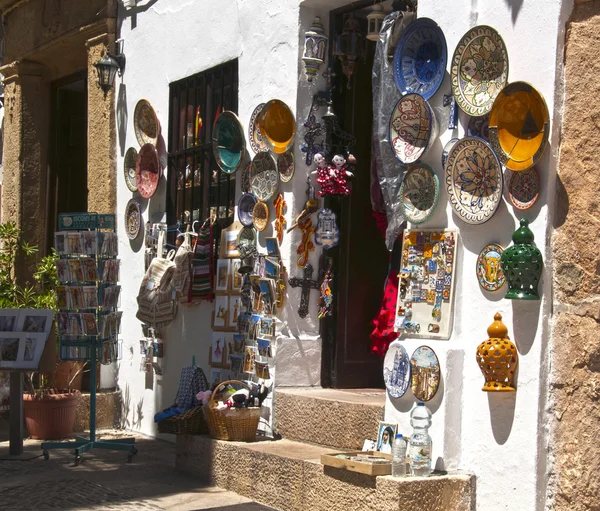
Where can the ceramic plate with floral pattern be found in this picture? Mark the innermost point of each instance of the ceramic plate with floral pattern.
(478, 127)
(256, 140)
(285, 166)
(129, 168)
(419, 192)
(479, 70)
(147, 171)
(145, 123)
(264, 178)
(524, 188)
(412, 128)
(133, 219)
(473, 180)
(396, 370)
(489, 272)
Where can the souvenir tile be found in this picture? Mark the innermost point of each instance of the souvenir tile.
(441, 273)
(419, 192)
(447, 280)
(446, 294)
(396, 370)
(448, 269)
(425, 371)
(431, 266)
(416, 297)
(427, 251)
(430, 297)
(432, 281)
(411, 126)
(439, 286)
(424, 295)
(450, 255)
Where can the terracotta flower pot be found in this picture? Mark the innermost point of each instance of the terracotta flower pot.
(52, 417)
(65, 371)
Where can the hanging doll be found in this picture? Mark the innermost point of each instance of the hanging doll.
(324, 177)
(338, 170)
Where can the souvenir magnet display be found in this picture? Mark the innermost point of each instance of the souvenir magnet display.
(489, 272)
(396, 370)
(133, 219)
(145, 123)
(147, 171)
(419, 192)
(327, 233)
(280, 221)
(498, 358)
(306, 284)
(264, 178)
(277, 126)
(524, 188)
(228, 142)
(425, 373)
(129, 168)
(306, 245)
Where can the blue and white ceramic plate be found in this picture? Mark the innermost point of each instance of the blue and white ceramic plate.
(245, 208)
(420, 58)
(264, 177)
(396, 370)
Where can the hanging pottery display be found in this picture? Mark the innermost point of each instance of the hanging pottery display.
(498, 358)
(327, 233)
(413, 128)
(524, 188)
(479, 127)
(245, 207)
(420, 58)
(396, 370)
(519, 126)
(315, 46)
(277, 126)
(419, 192)
(147, 171)
(489, 273)
(479, 70)
(264, 178)
(522, 265)
(473, 180)
(280, 222)
(228, 142)
(256, 140)
(129, 168)
(260, 216)
(145, 123)
(133, 219)
(285, 166)
(425, 373)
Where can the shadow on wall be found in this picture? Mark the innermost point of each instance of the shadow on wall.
(122, 116)
(562, 204)
(502, 413)
(127, 411)
(515, 7)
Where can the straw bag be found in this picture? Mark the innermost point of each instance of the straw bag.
(191, 423)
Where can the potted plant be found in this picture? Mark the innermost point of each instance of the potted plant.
(49, 413)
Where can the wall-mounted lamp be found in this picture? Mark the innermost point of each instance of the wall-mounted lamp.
(129, 4)
(107, 68)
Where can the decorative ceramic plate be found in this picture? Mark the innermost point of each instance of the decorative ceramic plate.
(285, 166)
(524, 188)
(133, 219)
(228, 142)
(247, 236)
(145, 123)
(419, 192)
(479, 70)
(425, 373)
(277, 126)
(245, 207)
(446, 151)
(260, 216)
(264, 178)
(489, 272)
(412, 124)
(245, 180)
(478, 127)
(420, 58)
(396, 370)
(256, 140)
(473, 180)
(147, 171)
(519, 126)
(129, 168)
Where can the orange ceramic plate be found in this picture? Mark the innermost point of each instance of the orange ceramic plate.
(519, 126)
(277, 126)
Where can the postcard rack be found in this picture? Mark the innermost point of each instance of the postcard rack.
(88, 319)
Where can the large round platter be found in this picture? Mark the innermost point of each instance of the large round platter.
(489, 272)
(425, 373)
(524, 188)
(129, 168)
(260, 216)
(419, 192)
(133, 219)
(478, 127)
(420, 58)
(412, 126)
(247, 236)
(147, 171)
(256, 140)
(145, 123)
(285, 166)
(473, 180)
(264, 178)
(396, 370)
(479, 70)
(228, 142)
(245, 207)
(277, 126)
(519, 126)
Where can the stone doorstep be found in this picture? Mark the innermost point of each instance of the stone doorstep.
(338, 418)
(288, 475)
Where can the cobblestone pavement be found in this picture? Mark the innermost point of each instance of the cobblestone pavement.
(105, 481)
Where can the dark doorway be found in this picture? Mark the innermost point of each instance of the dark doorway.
(67, 185)
(361, 259)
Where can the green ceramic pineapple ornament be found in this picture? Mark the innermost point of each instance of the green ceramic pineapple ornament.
(522, 265)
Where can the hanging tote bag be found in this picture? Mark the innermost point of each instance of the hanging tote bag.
(202, 265)
(183, 269)
(157, 304)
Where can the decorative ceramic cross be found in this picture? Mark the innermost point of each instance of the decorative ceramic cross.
(306, 284)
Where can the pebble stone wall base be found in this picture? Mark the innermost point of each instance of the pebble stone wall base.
(108, 408)
(288, 476)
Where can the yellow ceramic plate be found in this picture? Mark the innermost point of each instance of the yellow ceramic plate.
(260, 216)
(277, 126)
(519, 126)
(145, 123)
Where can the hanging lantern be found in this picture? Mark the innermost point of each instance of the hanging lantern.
(349, 46)
(498, 358)
(375, 20)
(315, 46)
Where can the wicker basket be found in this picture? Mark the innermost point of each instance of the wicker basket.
(191, 422)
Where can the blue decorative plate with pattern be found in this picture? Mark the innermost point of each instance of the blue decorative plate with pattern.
(264, 177)
(245, 208)
(396, 370)
(420, 58)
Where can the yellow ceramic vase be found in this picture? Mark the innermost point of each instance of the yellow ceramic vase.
(498, 358)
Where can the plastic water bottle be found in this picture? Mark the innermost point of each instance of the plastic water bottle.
(419, 451)
(399, 457)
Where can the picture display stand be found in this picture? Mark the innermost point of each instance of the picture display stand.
(88, 321)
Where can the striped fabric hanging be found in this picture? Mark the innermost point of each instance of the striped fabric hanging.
(202, 265)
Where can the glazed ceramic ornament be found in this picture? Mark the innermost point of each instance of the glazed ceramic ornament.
(522, 265)
(327, 234)
(498, 358)
(315, 46)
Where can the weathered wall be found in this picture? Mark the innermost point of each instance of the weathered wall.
(575, 379)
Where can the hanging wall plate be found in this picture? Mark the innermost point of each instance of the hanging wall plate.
(129, 168)
(228, 142)
(277, 126)
(396, 370)
(420, 58)
(478, 127)
(425, 373)
(147, 171)
(245, 179)
(247, 236)
(419, 192)
(133, 219)
(245, 207)
(446, 151)
(479, 70)
(145, 123)
(256, 140)
(264, 178)
(473, 180)
(524, 188)
(285, 166)
(260, 216)
(489, 272)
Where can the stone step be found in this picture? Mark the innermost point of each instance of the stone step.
(336, 418)
(288, 476)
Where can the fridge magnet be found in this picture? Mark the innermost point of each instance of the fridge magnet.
(489, 272)
(425, 373)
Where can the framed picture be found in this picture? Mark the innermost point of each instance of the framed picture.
(11, 348)
(218, 356)
(385, 437)
(9, 320)
(220, 315)
(35, 321)
(222, 275)
(234, 311)
(236, 276)
(229, 236)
